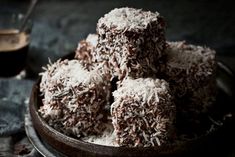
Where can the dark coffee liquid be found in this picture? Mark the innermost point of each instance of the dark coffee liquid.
(13, 52)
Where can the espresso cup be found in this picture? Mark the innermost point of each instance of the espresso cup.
(14, 44)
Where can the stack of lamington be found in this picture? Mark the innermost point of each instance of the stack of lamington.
(133, 43)
(155, 77)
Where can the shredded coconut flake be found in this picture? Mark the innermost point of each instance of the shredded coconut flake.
(185, 56)
(145, 88)
(128, 18)
(188, 67)
(107, 138)
(92, 39)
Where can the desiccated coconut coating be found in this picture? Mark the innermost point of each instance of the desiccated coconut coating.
(73, 98)
(194, 109)
(85, 52)
(203, 98)
(86, 55)
(188, 67)
(131, 40)
(143, 112)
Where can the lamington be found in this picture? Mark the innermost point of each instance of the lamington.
(188, 67)
(143, 112)
(73, 98)
(190, 71)
(86, 53)
(193, 111)
(131, 40)
(202, 99)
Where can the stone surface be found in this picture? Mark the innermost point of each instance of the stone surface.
(6, 148)
(14, 96)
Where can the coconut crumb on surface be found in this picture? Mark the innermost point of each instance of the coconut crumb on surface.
(107, 138)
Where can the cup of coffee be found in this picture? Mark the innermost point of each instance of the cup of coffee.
(14, 44)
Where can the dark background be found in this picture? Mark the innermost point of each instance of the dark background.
(60, 24)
